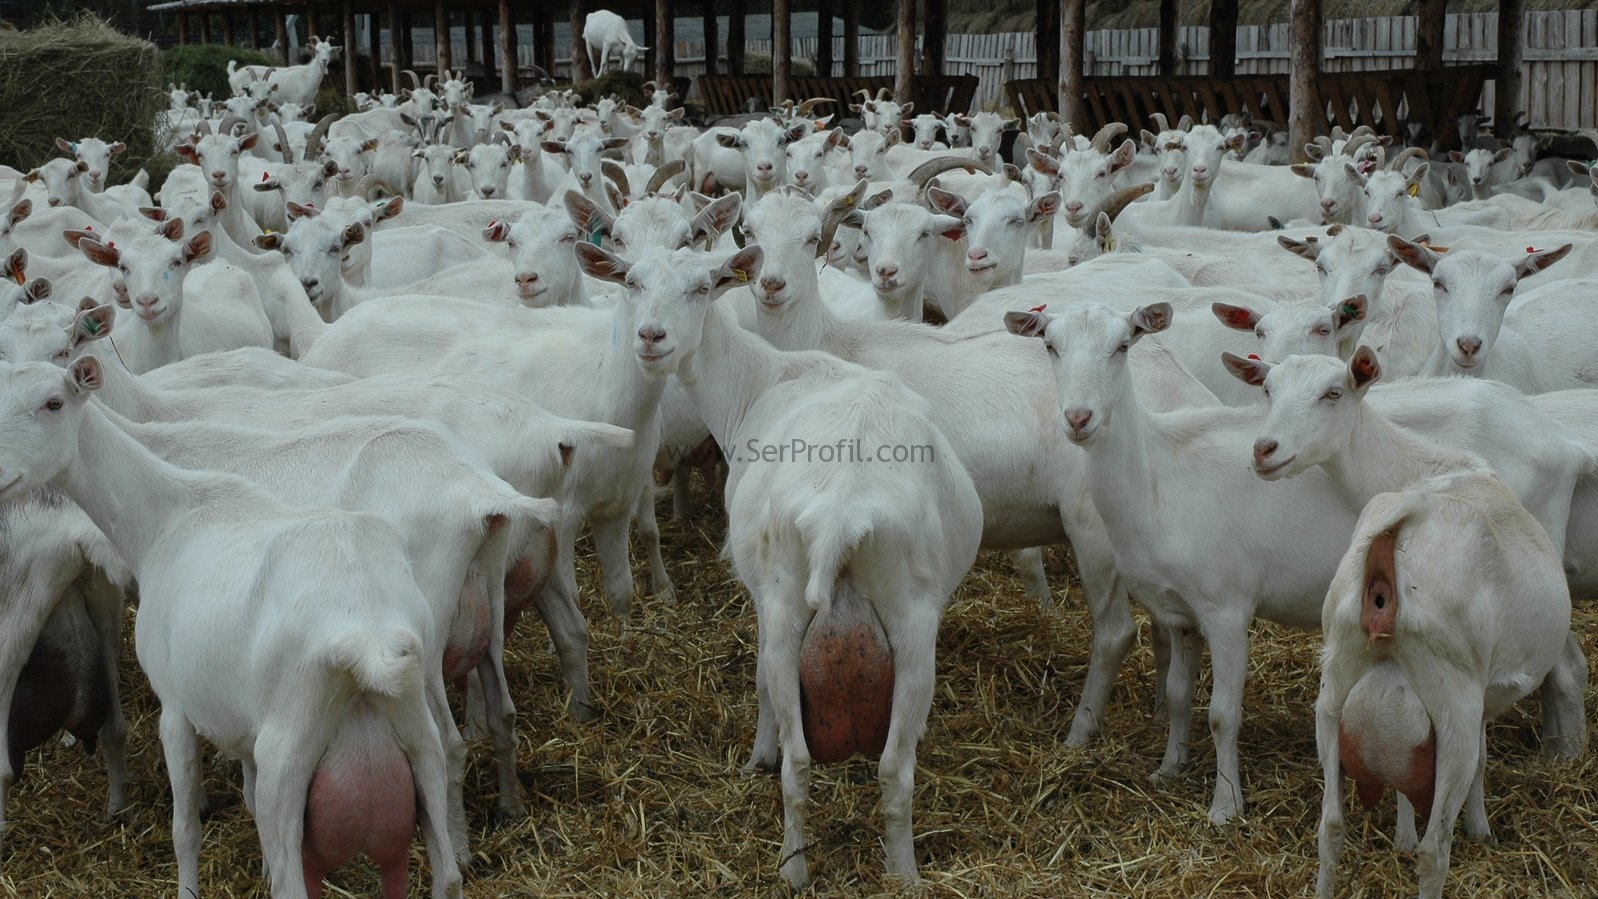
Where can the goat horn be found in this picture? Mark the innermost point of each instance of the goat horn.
(430, 81)
(318, 136)
(227, 125)
(370, 184)
(1398, 161)
(1121, 199)
(1357, 141)
(863, 93)
(876, 199)
(926, 170)
(663, 174)
(1101, 141)
(1159, 119)
(837, 211)
(283, 143)
(809, 105)
(1185, 123)
(416, 83)
(615, 173)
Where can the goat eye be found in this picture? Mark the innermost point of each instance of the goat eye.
(1323, 330)
(1333, 394)
(1260, 333)
(1126, 345)
(54, 404)
(1436, 284)
(513, 244)
(1265, 390)
(1050, 347)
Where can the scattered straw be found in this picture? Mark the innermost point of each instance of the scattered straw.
(650, 800)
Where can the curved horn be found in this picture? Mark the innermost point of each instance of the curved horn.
(283, 143)
(884, 94)
(615, 173)
(876, 199)
(926, 170)
(416, 83)
(318, 138)
(227, 124)
(1120, 200)
(1101, 141)
(809, 105)
(1357, 141)
(1185, 123)
(1409, 152)
(864, 94)
(1159, 119)
(371, 184)
(431, 81)
(663, 174)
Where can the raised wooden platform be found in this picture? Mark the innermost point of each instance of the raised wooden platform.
(727, 94)
(1432, 98)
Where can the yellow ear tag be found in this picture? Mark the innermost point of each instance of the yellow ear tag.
(741, 275)
(1414, 190)
(1109, 246)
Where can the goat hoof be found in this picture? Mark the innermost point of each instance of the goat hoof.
(584, 712)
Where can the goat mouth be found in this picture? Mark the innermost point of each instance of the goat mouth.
(649, 358)
(1268, 471)
(886, 286)
(1081, 437)
(149, 314)
(1467, 364)
(981, 267)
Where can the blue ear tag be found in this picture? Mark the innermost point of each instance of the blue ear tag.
(596, 236)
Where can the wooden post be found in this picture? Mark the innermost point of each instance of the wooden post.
(581, 68)
(781, 49)
(255, 28)
(665, 42)
(374, 39)
(905, 65)
(1506, 92)
(934, 35)
(282, 16)
(1073, 27)
(441, 43)
(486, 29)
(824, 56)
(735, 37)
(1429, 22)
(1046, 21)
(183, 28)
(1169, 32)
(228, 37)
(351, 82)
(205, 28)
(396, 47)
(407, 38)
(544, 39)
(1308, 117)
(1223, 38)
(509, 65)
(647, 13)
(851, 39)
(712, 36)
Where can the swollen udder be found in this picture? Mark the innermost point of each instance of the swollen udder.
(1386, 739)
(362, 800)
(846, 680)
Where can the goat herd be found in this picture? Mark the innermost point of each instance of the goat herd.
(370, 376)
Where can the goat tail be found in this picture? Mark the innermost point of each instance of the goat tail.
(141, 180)
(830, 541)
(380, 663)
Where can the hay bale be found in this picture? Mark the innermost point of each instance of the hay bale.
(78, 78)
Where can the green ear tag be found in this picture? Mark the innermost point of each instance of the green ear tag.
(595, 236)
(1348, 310)
(92, 326)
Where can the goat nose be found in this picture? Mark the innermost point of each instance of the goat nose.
(1469, 346)
(1328, 203)
(309, 283)
(54, 202)
(1263, 448)
(860, 170)
(651, 334)
(438, 180)
(527, 278)
(977, 254)
(772, 283)
(146, 300)
(1074, 207)
(1375, 219)
(1200, 169)
(488, 191)
(887, 271)
(1078, 419)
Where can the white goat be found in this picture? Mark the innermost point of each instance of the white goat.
(606, 33)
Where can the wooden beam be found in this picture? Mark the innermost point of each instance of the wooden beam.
(442, 49)
(510, 66)
(485, 25)
(1308, 116)
(281, 14)
(1429, 21)
(1073, 27)
(582, 70)
(1506, 90)
(781, 49)
(647, 13)
(228, 37)
(1223, 38)
(183, 28)
(351, 81)
(935, 33)
(1046, 22)
(712, 36)
(396, 47)
(205, 28)
(407, 38)
(905, 67)
(735, 36)
(255, 28)
(1169, 33)
(851, 39)
(665, 42)
(824, 37)
(374, 38)
(545, 51)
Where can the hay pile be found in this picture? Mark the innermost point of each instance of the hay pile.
(649, 801)
(80, 78)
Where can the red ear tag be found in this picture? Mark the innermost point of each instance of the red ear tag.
(1254, 357)
(1532, 250)
(110, 244)
(266, 176)
(1039, 308)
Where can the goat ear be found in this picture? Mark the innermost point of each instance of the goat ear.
(945, 201)
(269, 184)
(1350, 310)
(1577, 167)
(39, 289)
(389, 208)
(1456, 157)
(91, 324)
(1238, 318)
(1104, 233)
(16, 265)
(1123, 156)
(1150, 319)
(1364, 369)
(600, 263)
(171, 229)
(1303, 169)
(1044, 207)
(1503, 154)
(1412, 254)
(63, 145)
(496, 232)
(740, 268)
(716, 218)
(587, 215)
(1307, 249)
(85, 376)
(729, 141)
(1026, 324)
(949, 226)
(1249, 371)
(270, 241)
(249, 141)
(553, 147)
(354, 234)
(197, 247)
(21, 211)
(98, 253)
(1042, 162)
(1540, 260)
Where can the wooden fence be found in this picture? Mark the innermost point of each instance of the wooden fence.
(1560, 86)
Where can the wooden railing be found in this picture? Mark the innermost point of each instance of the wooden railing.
(1384, 100)
(727, 94)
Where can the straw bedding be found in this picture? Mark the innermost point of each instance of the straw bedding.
(651, 801)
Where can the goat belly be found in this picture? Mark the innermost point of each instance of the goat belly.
(1385, 739)
(62, 685)
(846, 681)
(362, 799)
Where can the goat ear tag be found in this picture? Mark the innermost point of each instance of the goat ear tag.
(1348, 310)
(1414, 190)
(741, 275)
(595, 236)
